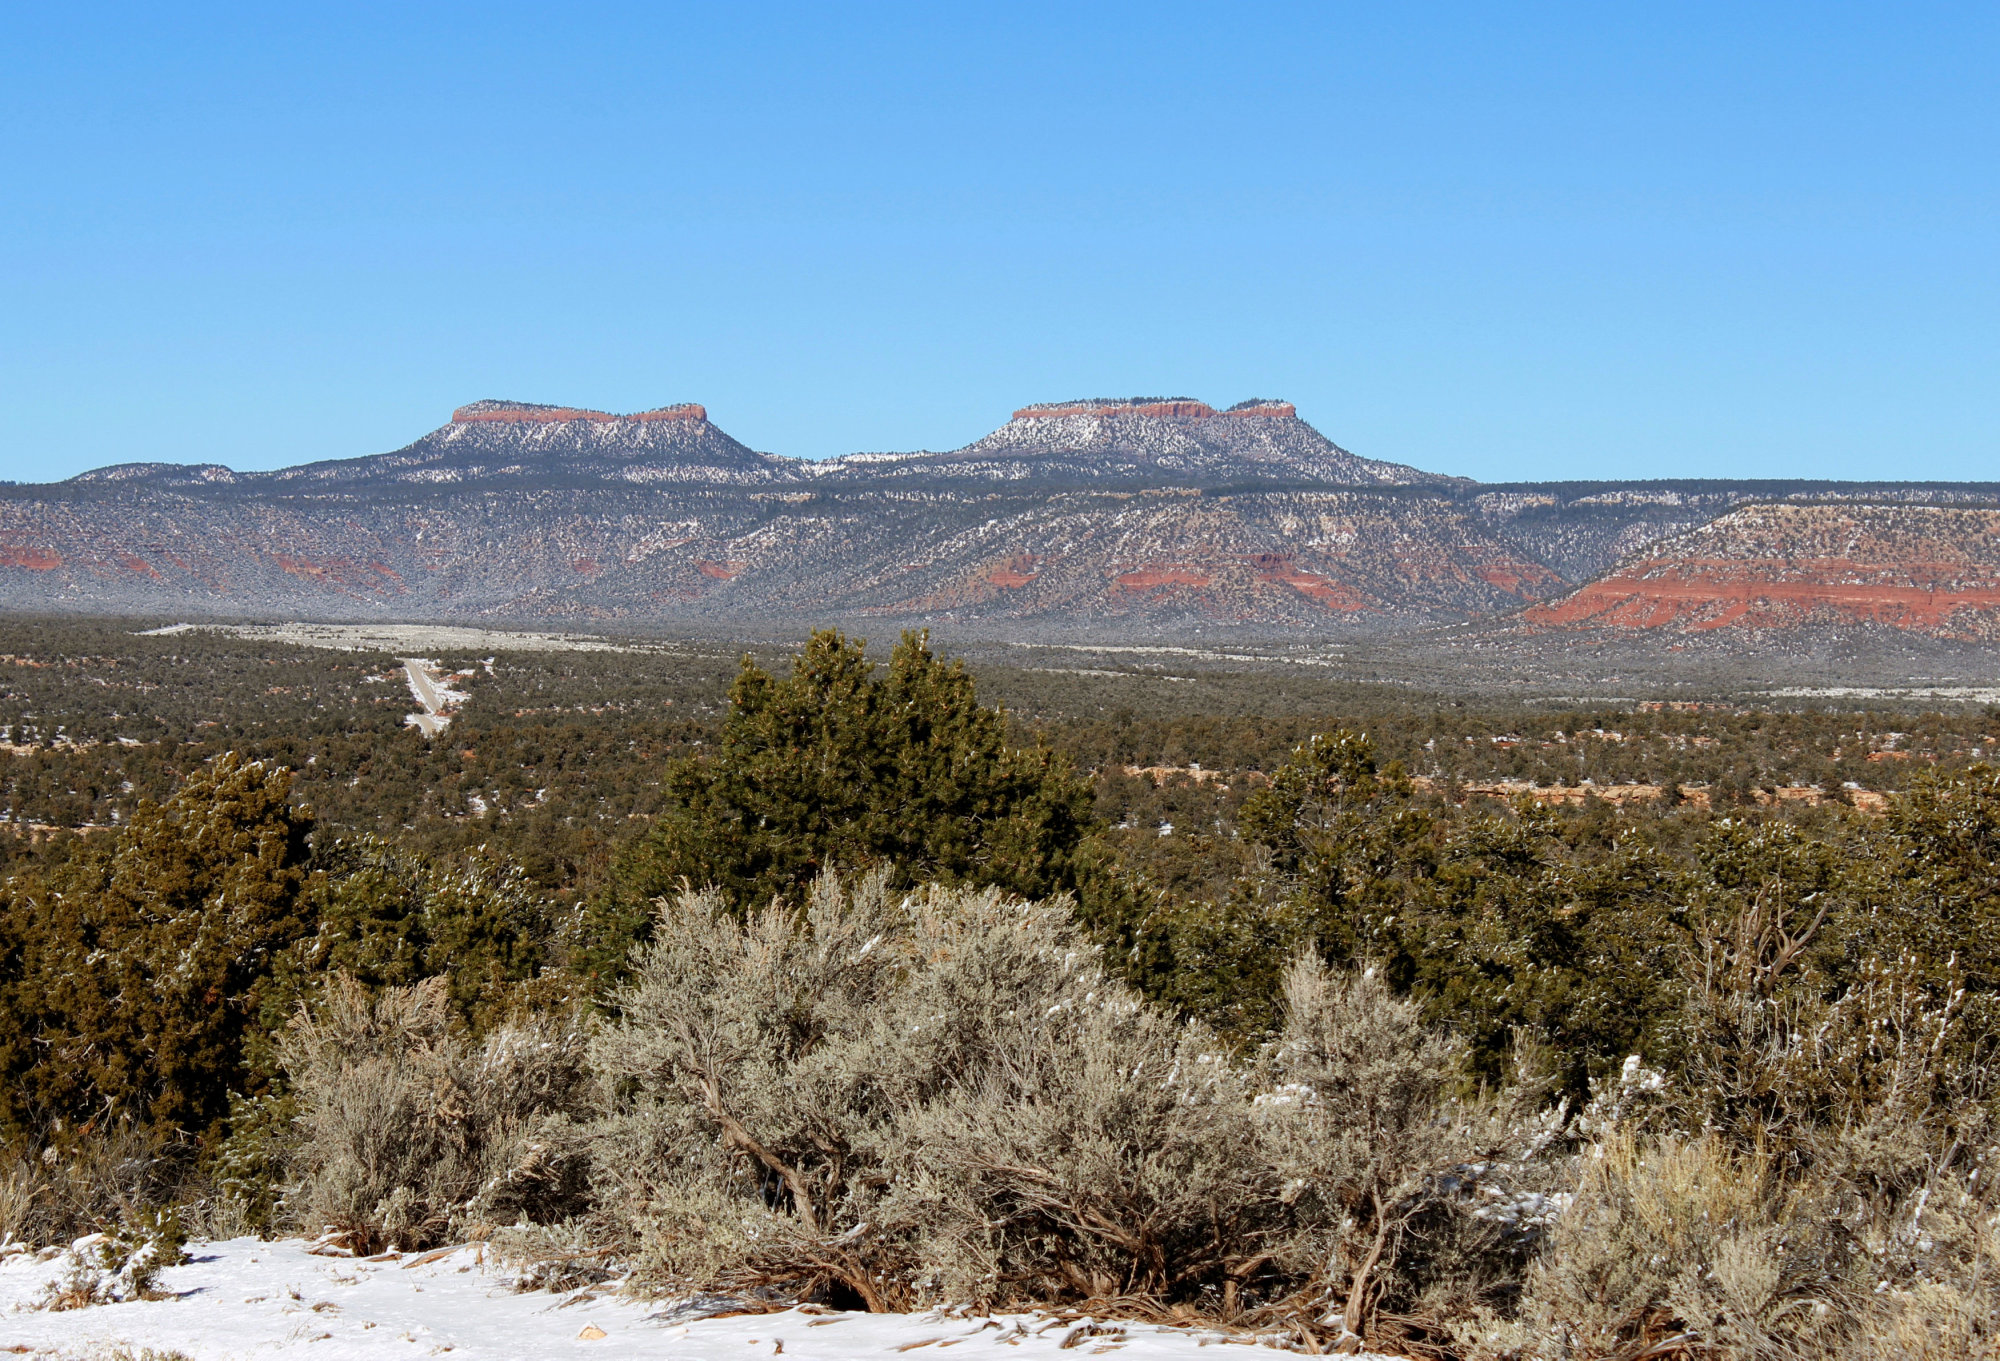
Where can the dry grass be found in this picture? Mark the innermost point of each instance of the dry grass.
(1675, 1245)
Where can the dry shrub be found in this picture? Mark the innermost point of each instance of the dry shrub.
(1101, 1153)
(1873, 1238)
(901, 1099)
(20, 1187)
(1405, 1200)
(92, 1183)
(1675, 1245)
(1811, 1184)
(1933, 1321)
(769, 1070)
(412, 1134)
(1927, 1239)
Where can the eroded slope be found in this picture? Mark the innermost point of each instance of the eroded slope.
(1927, 569)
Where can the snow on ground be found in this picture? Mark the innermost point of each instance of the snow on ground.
(399, 638)
(244, 1298)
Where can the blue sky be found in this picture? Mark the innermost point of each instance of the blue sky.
(1507, 241)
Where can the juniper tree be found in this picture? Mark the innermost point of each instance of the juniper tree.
(836, 766)
(383, 917)
(137, 962)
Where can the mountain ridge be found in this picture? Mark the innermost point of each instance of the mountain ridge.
(1156, 516)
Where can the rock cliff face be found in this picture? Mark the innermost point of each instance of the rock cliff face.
(1925, 569)
(523, 443)
(1141, 441)
(530, 413)
(1148, 517)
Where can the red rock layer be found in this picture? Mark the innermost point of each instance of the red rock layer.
(1152, 578)
(341, 573)
(1184, 410)
(1279, 570)
(1528, 580)
(544, 415)
(1929, 569)
(527, 415)
(1015, 572)
(1697, 596)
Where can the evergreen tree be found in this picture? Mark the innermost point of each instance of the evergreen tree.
(833, 765)
(387, 918)
(1503, 923)
(137, 963)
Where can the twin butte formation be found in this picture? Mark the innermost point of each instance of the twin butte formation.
(1140, 517)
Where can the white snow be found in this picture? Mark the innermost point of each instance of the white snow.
(245, 1298)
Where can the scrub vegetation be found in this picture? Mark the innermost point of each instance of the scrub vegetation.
(1458, 1031)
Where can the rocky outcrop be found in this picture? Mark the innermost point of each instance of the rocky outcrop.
(522, 413)
(1923, 569)
(522, 443)
(33, 559)
(1143, 442)
(532, 413)
(1159, 408)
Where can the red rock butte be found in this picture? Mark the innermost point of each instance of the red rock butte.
(508, 413)
(1160, 408)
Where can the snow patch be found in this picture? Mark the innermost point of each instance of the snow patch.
(244, 1298)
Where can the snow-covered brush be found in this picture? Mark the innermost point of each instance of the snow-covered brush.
(120, 1265)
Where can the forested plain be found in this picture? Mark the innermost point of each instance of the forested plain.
(1450, 1026)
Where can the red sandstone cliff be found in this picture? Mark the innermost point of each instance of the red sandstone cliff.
(530, 413)
(1927, 569)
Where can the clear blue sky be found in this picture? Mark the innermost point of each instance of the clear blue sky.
(1508, 241)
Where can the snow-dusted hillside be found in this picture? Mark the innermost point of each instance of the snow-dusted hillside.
(1144, 440)
(1146, 517)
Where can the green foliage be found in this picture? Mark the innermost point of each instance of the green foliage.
(833, 766)
(138, 962)
(387, 918)
(1949, 829)
(1315, 798)
(1776, 1020)
(250, 1164)
(121, 1264)
(1503, 922)
(144, 973)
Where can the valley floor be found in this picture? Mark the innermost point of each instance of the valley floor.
(245, 1298)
